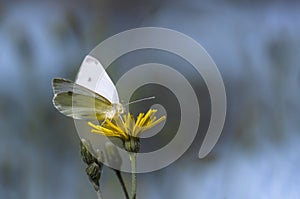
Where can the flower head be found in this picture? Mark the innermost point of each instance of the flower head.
(127, 128)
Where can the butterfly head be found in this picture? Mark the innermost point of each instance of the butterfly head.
(119, 108)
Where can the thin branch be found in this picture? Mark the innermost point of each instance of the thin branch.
(118, 173)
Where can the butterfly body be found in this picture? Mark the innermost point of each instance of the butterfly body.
(117, 109)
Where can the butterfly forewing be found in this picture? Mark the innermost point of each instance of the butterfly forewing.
(61, 85)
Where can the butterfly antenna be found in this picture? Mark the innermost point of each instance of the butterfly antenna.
(140, 100)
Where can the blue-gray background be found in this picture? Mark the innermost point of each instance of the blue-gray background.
(255, 45)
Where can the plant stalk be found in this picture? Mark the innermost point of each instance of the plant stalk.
(99, 194)
(133, 175)
(118, 173)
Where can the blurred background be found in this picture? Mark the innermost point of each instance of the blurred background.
(256, 46)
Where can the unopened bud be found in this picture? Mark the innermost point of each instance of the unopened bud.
(100, 157)
(86, 152)
(113, 156)
(94, 173)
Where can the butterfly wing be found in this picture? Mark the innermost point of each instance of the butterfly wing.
(93, 76)
(79, 102)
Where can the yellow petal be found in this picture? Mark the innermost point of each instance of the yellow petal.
(108, 133)
(94, 126)
(139, 118)
(147, 116)
(156, 122)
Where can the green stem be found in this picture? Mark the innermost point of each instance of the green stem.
(118, 173)
(133, 175)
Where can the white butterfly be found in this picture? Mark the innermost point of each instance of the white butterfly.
(93, 95)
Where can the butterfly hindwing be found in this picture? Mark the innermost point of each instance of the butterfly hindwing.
(79, 102)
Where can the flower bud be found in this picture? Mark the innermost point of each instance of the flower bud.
(113, 155)
(94, 173)
(86, 152)
(100, 157)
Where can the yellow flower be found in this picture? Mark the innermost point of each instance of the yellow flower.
(127, 129)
